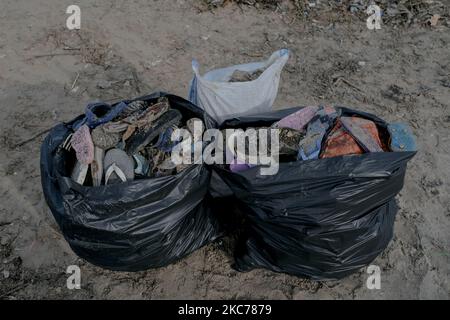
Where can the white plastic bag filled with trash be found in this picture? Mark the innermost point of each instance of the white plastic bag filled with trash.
(245, 89)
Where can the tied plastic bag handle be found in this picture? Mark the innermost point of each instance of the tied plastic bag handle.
(195, 66)
(281, 53)
(193, 93)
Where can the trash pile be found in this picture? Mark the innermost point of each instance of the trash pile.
(321, 132)
(233, 91)
(330, 208)
(327, 211)
(159, 215)
(129, 141)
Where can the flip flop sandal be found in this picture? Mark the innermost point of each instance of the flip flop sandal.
(118, 166)
(339, 143)
(179, 168)
(161, 164)
(289, 140)
(79, 172)
(67, 144)
(104, 139)
(193, 123)
(100, 113)
(142, 166)
(151, 114)
(167, 164)
(165, 142)
(143, 136)
(81, 142)
(114, 169)
(97, 166)
(141, 119)
(310, 146)
(402, 138)
(364, 131)
(121, 145)
(116, 126)
(133, 107)
(297, 120)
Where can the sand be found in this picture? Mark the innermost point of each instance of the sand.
(128, 48)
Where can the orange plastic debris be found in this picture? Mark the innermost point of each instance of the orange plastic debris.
(339, 142)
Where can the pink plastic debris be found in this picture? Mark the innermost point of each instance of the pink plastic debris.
(237, 166)
(297, 120)
(82, 144)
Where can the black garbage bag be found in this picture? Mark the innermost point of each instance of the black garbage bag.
(134, 225)
(320, 219)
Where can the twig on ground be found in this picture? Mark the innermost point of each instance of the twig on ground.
(57, 54)
(114, 99)
(253, 55)
(75, 82)
(342, 79)
(136, 82)
(37, 135)
(15, 289)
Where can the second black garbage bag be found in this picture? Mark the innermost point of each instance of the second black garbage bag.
(320, 219)
(134, 225)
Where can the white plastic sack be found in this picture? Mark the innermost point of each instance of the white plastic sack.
(222, 99)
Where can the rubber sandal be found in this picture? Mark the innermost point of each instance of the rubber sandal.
(79, 172)
(167, 164)
(81, 142)
(310, 146)
(402, 138)
(142, 166)
(140, 118)
(191, 125)
(105, 139)
(133, 107)
(339, 143)
(114, 169)
(161, 164)
(100, 113)
(97, 166)
(297, 120)
(165, 142)
(118, 167)
(67, 144)
(289, 140)
(146, 134)
(364, 131)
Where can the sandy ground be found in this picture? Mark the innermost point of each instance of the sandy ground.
(126, 48)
